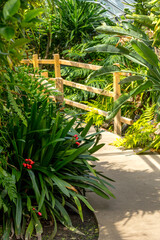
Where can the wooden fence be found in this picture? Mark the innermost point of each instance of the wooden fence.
(59, 82)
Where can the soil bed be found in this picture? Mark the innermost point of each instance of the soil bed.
(89, 227)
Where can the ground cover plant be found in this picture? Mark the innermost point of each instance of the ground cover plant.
(141, 133)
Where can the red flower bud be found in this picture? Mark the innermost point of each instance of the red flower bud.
(24, 164)
(75, 135)
(77, 143)
(33, 209)
(76, 138)
(39, 213)
(26, 160)
(29, 166)
(32, 162)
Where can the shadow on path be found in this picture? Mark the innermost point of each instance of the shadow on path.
(135, 213)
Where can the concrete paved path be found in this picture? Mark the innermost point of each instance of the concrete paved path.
(135, 213)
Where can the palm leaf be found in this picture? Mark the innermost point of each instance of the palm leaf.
(108, 49)
(120, 31)
(131, 78)
(122, 99)
(145, 52)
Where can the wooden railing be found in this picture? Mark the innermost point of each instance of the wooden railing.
(59, 82)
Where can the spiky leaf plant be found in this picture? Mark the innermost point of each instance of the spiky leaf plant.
(49, 162)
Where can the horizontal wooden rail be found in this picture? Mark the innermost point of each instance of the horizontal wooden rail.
(88, 88)
(126, 120)
(85, 107)
(27, 61)
(59, 83)
(46, 61)
(80, 65)
(70, 63)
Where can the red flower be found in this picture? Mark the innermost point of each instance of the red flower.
(75, 135)
(29, 166)
(76, 138)
(33, 209)
(39, 213)
(32, 162)
(24, 164)
(26, 160)
(77, 143)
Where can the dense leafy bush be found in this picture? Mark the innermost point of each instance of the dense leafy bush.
(16, 17)
(141, 133)
(68, 22)
(138, 51)
(47, 169)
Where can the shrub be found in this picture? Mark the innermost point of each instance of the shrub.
(140, 134)
(44, 168)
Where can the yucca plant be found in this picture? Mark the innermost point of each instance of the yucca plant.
(47, 164)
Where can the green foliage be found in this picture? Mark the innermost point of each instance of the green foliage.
(15, 92)
(10, 8)
(97, 119)
(15, 19)
(148, 18)
(140, 52)
(67, 23)
(8, 191)
(60, 172)
(140, 134)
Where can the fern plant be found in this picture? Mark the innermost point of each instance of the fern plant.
(8, 190)
(20, 87)
(141, 133)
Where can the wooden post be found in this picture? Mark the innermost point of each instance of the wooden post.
(117, 93)
(59, 80)
(35, 62)
(44, 74)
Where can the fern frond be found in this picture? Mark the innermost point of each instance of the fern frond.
(8, 183)
(149, 113)
(15, 106)
(74, 73)
(3, 205)
(140, 134)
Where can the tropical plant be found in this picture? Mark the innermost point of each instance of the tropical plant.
(139, 51)
(141, 133)
(47, 170)
(148, 18)
(70, 22)
(15, 17)
(18, 87)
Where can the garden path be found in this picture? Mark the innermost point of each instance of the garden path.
(135, 213)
